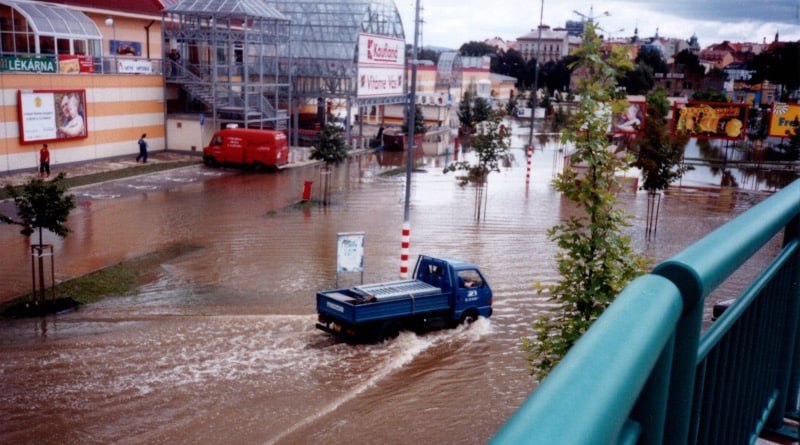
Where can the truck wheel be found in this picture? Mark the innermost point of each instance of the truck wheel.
(259, 167)
(209, 161)
(469, 317)
(389, 330)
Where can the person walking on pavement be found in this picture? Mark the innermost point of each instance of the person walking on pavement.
(142, 148)
(44, 162)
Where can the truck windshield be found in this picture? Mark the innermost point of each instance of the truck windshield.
(469, 278)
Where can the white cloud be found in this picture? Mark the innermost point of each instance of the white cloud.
(450, 23)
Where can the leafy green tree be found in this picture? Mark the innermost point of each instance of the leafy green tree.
(332, 150)
(709, 95)
(595, 260)
(690, 61)
(41, 205)
(511, 106)
(511, 63)
(780, 65)
(477, 49)
(793, 150)
(465, 116)
(653, 58)
(481, 110)
(490, 144)
(556, 75)
(659, 154)
(639, 80)
(429, 54)
(419, 120)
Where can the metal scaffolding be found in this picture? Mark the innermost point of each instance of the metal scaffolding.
(227, 55)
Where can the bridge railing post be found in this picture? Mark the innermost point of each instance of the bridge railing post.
(789, 370)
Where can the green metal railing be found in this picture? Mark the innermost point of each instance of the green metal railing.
(645, 373)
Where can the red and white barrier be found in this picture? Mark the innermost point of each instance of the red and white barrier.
(404, 250)
(530, 160)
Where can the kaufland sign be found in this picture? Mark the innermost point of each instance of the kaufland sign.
(381, 66)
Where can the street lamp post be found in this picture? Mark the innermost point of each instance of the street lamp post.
(110, 22)
(591, 17)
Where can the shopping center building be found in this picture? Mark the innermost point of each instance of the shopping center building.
(89, 77)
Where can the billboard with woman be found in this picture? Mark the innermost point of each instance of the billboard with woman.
(52, 115)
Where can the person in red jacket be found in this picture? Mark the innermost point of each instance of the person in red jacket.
(44, 162)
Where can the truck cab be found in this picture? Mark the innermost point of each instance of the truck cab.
(472, 296)
(243, 146)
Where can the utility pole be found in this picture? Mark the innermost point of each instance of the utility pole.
(411, 119)
(534, 102)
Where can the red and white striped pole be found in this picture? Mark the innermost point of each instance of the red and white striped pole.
(404, 250)
(530, 160)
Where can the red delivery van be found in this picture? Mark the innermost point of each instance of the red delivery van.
(257, 148)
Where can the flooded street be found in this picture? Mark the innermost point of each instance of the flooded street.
(220, 347)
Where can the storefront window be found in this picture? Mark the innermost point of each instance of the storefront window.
(47, 45)
(63, 46)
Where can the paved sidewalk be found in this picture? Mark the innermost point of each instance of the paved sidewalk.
(98, 166)
(298, 157)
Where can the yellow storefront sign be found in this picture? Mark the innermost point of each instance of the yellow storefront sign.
(785, 120)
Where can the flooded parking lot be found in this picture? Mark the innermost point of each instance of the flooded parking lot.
(220, 346)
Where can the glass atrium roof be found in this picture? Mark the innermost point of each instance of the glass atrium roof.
(49, 19)
(222, 8)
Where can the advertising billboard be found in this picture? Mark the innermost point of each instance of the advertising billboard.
(51, 115)
(710, 120)
(630, 121)
(785, 120)
(381, 66)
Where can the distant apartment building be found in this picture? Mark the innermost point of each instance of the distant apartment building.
(720, 55)
(550, 44)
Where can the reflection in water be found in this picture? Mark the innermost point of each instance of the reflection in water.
(219, 346)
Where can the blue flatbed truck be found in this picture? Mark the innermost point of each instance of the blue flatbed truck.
(443, 293)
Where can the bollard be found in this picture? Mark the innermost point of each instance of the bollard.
(307, 190)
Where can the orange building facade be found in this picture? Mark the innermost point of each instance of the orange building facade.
(108, 62)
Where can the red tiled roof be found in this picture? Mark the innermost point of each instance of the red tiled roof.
(147, 7)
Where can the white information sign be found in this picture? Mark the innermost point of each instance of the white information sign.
(350, 252)
(381, 66)
(134, 66)
(38, 116)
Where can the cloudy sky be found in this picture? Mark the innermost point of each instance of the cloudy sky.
(450, 23)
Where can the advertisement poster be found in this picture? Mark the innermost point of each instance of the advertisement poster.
(134, 66)
(125, 48)
(350, 252)
(69, 64)
(381, 66)
(785, 120)
(712, 120)
(48, 115)
(631, 121)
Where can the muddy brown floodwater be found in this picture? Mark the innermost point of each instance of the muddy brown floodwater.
(221, 348)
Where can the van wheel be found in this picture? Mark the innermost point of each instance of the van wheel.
(209, 161)
(259, 167)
